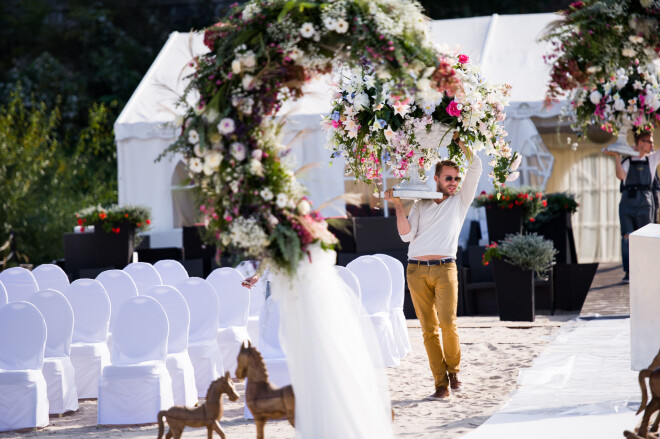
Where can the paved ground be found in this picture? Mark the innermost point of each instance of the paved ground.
(608, 296)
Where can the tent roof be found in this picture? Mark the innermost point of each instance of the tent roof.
(506, 47)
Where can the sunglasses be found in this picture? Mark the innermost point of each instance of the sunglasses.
(449, 178)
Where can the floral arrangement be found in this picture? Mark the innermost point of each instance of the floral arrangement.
(530, 200)
(259, 56)
(595, 38)
(628, 98)
(112, 218)
(527, 251)
(375, 123)
(556, 204)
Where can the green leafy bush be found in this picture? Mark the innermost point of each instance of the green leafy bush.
(527, 251)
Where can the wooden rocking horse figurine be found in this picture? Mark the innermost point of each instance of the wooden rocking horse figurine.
(653, 374)
(264, 400)
(206, 415)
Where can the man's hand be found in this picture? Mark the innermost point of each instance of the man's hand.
(389, 196)
(612, 154)
(250, 281)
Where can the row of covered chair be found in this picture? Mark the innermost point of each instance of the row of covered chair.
(96, 307)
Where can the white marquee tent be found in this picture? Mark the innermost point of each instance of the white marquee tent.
(506, 47)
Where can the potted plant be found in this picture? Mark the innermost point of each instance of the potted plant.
(515, 261)
(114, 231)
(506, 210)
(554, 223)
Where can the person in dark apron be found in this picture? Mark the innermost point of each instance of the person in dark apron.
(637, 207)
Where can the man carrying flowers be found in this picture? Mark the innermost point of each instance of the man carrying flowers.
(432, 228)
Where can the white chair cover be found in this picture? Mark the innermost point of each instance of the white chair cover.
(178, 361)
(144, 275)
(376, 288)
(58, 369)
(137, 385)
(171, 272)
(257, 298)
(91, 317)
(19, 283)
(120, 287)
(270, 349)
(397, 317)
(202, 343)
(234, 306)
(351, 280)
(23, 389)
(50, 276)
(3, 295)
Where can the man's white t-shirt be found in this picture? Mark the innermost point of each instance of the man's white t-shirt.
(654, 161)
(435, 227)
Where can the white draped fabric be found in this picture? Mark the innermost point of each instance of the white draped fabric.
(3, 295)
(171, 272)
(50, 276)
(144, 275)
(397, 317)
(120, 287)
(19, 283)
(334, 362)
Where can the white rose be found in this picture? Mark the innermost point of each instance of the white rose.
(341, 27)
(195, 165)
(619, 105)
(213, 158)
(193, 137)
(208, 169)
(513, 176)
(304, 207)
(247, 82)
(238, 151)
(256, 168)
(249, 61)
(423, 84)
(236, 66)
(198, 150)
(595, 97)
(361, 101)
(226, 126)
(307, 30)
(628, 52)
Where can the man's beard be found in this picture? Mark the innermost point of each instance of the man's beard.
(445, 192)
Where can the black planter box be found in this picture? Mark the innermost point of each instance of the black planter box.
(502, 222)
(515, 292)
(572, 283)
(559, 230)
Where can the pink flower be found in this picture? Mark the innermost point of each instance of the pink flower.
(452, 109)
(463, 59)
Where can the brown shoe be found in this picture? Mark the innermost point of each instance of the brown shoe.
(454, 382)
(441, 393)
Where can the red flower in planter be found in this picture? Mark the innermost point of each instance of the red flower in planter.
(103, 215)
(116, 230)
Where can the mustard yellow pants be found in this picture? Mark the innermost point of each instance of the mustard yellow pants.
(434, 292)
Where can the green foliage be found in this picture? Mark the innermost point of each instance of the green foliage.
(529, 199)
(527, 251)
(40, 186)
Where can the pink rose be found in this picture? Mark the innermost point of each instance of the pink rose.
(463, 59)
(452, 109)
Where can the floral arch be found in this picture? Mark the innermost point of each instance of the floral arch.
(260, 55)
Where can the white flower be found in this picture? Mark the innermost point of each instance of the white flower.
(213, 158)
(226, 126)
(257, 154)
(281, 201)
(628, 52)
(516, 163)
(247, 82)
(304, 207)
(249, 60)
(198, 150)
(594, 69)
(208, 169)
(513, 176)
(329, 23)
(211, 114)
(193, 137)
(307, 30)
(236, 66)
(178, 120)
(195, 165)
(595, 97)
(619, 105)
(389, 133)
(341, 27)
(361, 101)
(295, 53)
(238, 151)
(635, 39)
(621, 81)
(256, 168)
(266, 194)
